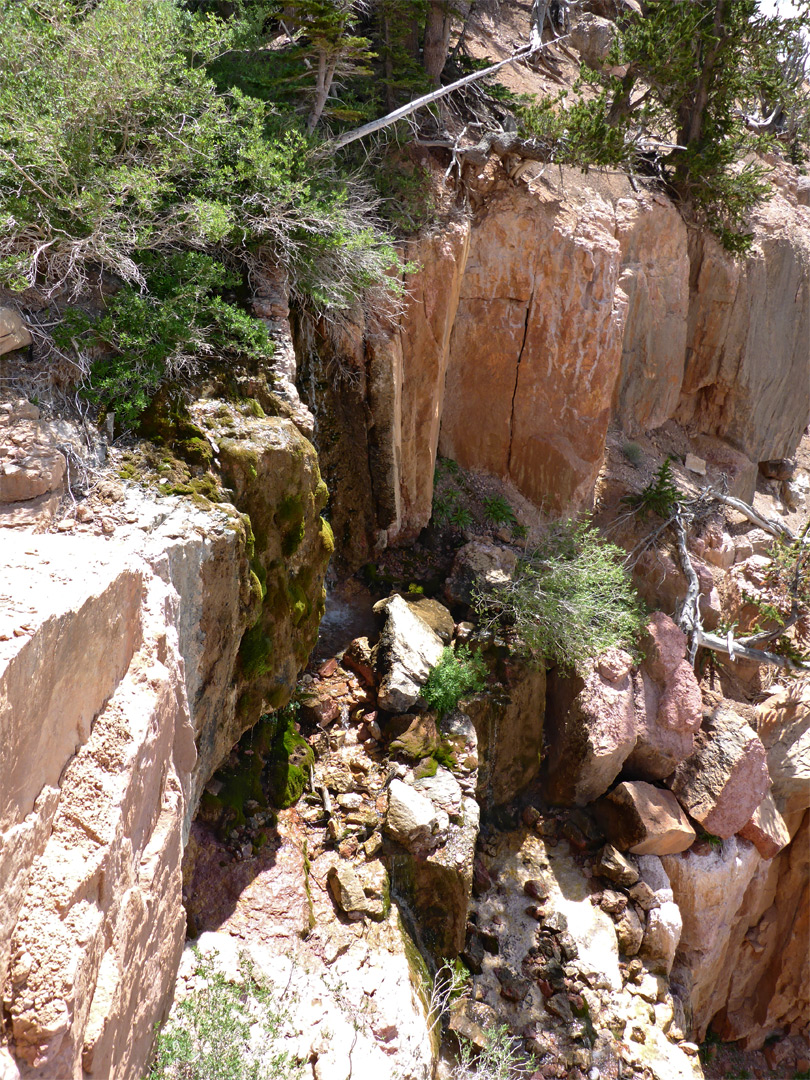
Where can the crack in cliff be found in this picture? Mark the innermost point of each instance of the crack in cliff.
(514, 389)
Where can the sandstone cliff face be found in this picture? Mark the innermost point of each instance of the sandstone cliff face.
(560, 307)
(97, 761)
(130, 663)
(747, 378)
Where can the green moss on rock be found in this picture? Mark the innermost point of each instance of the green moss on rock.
(288, 768)
(327, 537)
(292, 539)
(256, 651)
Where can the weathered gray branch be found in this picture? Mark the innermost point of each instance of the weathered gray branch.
(738, 651)
(689, 616)
(775, 528)
(428, 99)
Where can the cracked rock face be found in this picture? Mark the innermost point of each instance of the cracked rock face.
(92, 827)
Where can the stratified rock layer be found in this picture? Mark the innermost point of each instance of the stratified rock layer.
(128, 668)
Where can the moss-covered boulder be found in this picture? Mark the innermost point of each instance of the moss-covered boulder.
(287, 770)
(270, 473)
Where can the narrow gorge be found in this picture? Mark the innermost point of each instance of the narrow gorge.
(280, 770)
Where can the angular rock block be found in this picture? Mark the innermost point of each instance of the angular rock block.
(436, 615)
(767, 830)
(592, 739)
(413, 819)
(404, 655)
(13, 331)
(509, 728)
(644, 820)
(726, 778)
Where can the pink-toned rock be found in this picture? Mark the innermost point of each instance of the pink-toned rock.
(681, 705)
(664, 645)
(783, 724)
(421, 363)
(644, 820)
(766, 830)
(655, 278)
(721, 552)
(592, 738)
(542, 278)
(614, 664)
(726, 778)
(667, 721)
(32, 468)
(668, 702)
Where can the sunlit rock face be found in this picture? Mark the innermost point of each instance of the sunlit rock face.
(566, 303)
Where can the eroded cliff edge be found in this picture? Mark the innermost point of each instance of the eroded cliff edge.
(562, 304)
(138, 644)
(554, 310)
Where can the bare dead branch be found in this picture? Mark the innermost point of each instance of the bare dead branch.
(775, 528)
(428, 99)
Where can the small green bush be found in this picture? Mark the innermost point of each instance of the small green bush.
(498, 511)
(457, 673)
(212, 1035)
(569, 600)
(461, 518)
(633, 452)
(660, 496)
(501, 1059)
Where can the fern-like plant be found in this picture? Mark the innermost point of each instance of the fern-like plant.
(457, 673)
(661, 496)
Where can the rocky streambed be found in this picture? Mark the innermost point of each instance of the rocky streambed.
(600, 936)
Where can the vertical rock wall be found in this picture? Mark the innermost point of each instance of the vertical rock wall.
(128, 668)
(563, 304)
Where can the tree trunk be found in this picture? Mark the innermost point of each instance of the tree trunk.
(691, 111)
(437, 39)
(323, 84)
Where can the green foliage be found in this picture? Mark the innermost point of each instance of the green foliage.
(460, 518)
(501, 1059)
(399, 73)
(143, 336)
(633, 452)
(406, 194)
(661, 496)
(119, 155)
(710, 839)
(569, 600)
(692, 73)
(212, 1033)
(457, 673)
(498, 511)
